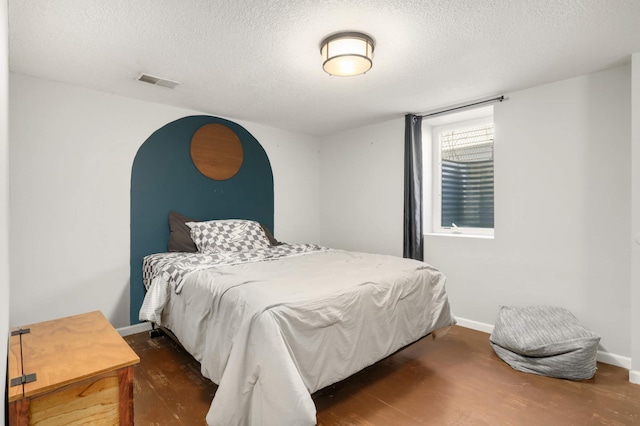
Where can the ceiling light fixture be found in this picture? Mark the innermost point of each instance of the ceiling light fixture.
(347, 53)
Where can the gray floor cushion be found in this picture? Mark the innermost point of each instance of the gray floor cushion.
(545, 340)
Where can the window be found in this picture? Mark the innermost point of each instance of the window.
(462, 195)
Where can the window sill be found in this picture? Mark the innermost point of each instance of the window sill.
(443, 234)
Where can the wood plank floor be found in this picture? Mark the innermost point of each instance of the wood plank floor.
(455, 380)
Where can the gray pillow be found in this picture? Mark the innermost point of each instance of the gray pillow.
(539, 331)
(270, 236)
(545, 340)
(179, 234)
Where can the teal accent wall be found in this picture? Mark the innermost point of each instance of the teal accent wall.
(164, 178)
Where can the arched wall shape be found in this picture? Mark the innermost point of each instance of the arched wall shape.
(164, 179)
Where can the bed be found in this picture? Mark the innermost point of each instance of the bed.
(272, 323)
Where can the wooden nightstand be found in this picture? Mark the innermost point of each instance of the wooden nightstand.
(83, 373)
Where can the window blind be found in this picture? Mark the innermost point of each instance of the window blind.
(467, 177)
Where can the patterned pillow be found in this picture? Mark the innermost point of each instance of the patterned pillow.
(228, 235)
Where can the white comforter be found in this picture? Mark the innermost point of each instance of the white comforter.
(272, 333)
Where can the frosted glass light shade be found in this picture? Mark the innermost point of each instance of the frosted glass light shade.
(347, 54)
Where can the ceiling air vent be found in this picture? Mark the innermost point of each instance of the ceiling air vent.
(158, 81)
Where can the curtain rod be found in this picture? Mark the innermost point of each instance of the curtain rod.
(487, 101)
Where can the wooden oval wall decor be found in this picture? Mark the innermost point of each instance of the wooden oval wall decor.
(216, 151)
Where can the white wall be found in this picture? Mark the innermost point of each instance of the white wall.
(561, 209)
(361, 192)
(295, 161)
(4, 197)
(562, 205)
(71, 154)
(635, 217)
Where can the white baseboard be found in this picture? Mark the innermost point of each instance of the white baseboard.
(634, 377)
(475, 325)
(133, 329)
(605, 357)
(613, 359)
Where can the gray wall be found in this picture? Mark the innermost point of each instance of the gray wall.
(635, 225)
(4, 195)
(562, 206)
(71, 152)
(564, 201)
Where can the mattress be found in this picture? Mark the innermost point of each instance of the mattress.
(271, 332)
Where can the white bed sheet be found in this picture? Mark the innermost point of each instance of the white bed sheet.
(271, 333)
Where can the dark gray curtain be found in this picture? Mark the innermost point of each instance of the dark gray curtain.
(413, 237)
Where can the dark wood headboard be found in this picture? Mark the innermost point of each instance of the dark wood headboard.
(164, 178)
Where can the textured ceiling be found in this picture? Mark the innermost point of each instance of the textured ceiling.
(259, 60)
